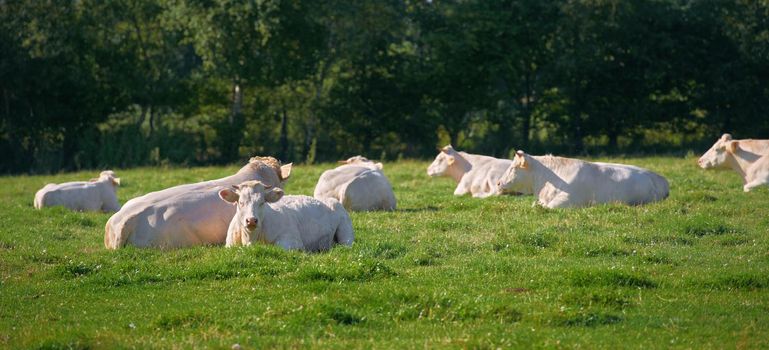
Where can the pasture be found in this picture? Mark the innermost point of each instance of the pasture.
(441, 271)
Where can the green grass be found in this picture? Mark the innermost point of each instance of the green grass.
(442, 271)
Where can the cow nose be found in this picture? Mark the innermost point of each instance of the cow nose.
(251, 222)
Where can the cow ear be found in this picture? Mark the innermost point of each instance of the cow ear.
(521, 156)
(116, 181)
(285, 171)
(733, 146)
(273, 195)
(451, 160)
(726, 137)
(229, 195)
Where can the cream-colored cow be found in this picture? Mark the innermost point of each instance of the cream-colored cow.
(95, 195)
(564, 182)
(359, 184)
(749, 158)
(291, 222)
(474, 174)
(186, 215)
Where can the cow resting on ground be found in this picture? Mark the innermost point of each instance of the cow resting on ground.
(474, 174)
(563, 182)
(95, 195)
(186, 215)
(293, 222)
(359, 184)
(749, 158)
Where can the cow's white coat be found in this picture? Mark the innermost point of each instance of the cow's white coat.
(291, 222)
(95, 195)
(186, 215)
(749, 158)
(474, 174)
(359, 184)
(563, 182)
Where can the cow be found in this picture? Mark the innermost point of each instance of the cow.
(264, 215)
(186, 215)
(359, 184)
(474, 174)
(749, 158)
(564, 182)
(98, 194)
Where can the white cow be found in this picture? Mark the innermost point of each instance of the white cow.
(474, 174)
(750, 158)
(95, 195)
(293, 222)
(186, 215)
(359, 184)
(564, 182)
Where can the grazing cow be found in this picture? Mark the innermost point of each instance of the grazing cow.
(293, 222)
(95, 195)
(359, 184)
(474, 174)
(750, 158)
(186, 215)
(563, 182)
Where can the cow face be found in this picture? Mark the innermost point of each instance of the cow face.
(109, 175)
(718, 154)
(515, 177)
(442, 162)
(249, 198)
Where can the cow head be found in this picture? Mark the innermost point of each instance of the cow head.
(110, 176)
(445, 159)
(249, 199)
(362, 161)
(517, 176)
(719, 153)
(282, 171)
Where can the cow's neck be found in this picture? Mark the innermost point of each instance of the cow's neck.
(741, 160)
(460, 167)
(542, 174)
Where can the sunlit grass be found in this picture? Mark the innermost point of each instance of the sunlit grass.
(692, 272)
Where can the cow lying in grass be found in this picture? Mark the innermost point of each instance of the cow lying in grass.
(563, 182)
(359, 184)
(749, 158)
(95, 195)
(293, 222)
(474, 174)
(186, 215)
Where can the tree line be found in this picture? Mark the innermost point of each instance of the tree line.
(87, 84)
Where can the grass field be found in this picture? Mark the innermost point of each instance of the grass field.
(441, 271)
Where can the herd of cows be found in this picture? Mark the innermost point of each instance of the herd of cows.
(250, 206)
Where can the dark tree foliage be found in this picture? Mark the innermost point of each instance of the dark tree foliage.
(90, 84)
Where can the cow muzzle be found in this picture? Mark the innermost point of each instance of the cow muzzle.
(251, 223)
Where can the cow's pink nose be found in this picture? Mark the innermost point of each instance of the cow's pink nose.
(251, 222)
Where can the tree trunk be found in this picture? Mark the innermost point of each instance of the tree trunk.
(233, 130)
(526, 113)
(284, 135)
(152, 120)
